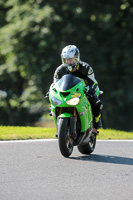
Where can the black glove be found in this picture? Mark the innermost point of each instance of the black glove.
(91, 92)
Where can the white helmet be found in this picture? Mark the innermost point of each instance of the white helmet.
(70, 51)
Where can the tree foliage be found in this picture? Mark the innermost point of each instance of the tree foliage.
(32, 35)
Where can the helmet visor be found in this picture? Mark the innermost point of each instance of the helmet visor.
(69, 61)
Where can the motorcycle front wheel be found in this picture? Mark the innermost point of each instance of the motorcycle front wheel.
(89, 147)
(64, 139)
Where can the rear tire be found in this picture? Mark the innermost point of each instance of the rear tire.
(64, 139)
(89, 147)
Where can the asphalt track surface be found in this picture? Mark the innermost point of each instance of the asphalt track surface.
(35, 170)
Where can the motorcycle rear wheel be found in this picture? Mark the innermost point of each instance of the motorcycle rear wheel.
(89, 147)
(64, 139)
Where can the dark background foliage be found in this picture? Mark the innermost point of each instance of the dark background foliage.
(32, 35)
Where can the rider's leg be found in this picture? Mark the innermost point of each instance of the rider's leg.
(96, 110)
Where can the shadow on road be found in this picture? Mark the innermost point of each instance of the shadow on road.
(105, 159)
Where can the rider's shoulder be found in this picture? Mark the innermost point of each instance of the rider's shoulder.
(84, 67)
(61, 69)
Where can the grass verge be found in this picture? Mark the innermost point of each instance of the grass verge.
(23, 133)
(111, 134)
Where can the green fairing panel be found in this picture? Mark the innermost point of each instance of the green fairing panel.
(86, 110)
(83, 108)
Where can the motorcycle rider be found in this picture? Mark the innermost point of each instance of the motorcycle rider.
(71, 64)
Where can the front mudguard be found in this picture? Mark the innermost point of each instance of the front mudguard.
(65, 115)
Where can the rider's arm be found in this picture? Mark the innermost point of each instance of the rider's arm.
(56, 79)
(90, 79)
(59, 72)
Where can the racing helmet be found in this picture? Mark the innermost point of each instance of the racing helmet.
(70, 51)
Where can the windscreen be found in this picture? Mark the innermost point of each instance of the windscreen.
(67, 82)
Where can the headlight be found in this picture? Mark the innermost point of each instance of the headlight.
(73, 101)
(55, 101)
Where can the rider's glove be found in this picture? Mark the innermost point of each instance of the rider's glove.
(91, 92)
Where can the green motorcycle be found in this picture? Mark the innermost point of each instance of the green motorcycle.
(72, 115)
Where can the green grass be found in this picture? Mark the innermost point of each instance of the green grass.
(111, 134)
(23, 133)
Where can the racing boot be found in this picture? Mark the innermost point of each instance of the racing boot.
(97, 122)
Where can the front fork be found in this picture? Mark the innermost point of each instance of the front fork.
(71, 125)
(72, 129)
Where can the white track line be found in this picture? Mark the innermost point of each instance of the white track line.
(22, 141)
(51, 140)
(115, 140)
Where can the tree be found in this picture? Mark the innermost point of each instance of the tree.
(34, 32)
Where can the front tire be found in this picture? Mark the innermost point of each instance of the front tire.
(64, 139)
(89, 147)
